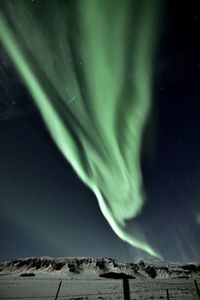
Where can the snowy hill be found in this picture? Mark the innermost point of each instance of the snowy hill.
(82, 267)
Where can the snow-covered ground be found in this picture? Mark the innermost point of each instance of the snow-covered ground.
(80, 279)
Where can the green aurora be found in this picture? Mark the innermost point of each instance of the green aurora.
(198, 218)
(88, 67)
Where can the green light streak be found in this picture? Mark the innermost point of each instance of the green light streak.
(198, 218)
(90, 77)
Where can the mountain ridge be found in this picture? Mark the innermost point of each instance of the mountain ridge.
(88, 267)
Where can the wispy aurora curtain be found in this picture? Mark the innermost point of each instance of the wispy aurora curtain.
(88, 66)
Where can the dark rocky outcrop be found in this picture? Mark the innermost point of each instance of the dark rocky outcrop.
(114, 275)
(27, 275)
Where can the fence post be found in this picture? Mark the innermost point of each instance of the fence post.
(126, 289)
(197, 288)
(58, 290)
(167, 294)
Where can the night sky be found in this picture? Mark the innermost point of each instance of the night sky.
(45, 209)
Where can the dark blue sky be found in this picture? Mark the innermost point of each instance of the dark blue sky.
(45, 208)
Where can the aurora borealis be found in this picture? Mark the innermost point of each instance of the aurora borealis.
(98, 123)
(89, 67)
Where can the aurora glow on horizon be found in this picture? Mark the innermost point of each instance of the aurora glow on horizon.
(89, 72)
